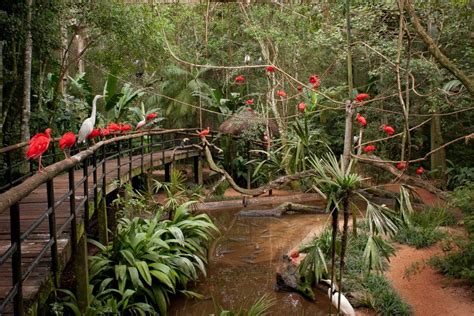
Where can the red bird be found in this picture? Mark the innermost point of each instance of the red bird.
(300, 88)
(151, 116)
(95, 133)
(294, 254)
(388, 129)
(401, 166)
(38, 145)
(104, 132)
(113, 128)
(420, 170)
(301, 107)
(315, 81)
(368, 149)
(362, 121)
(205, 132)
(240, 79)
(249, 102)
(271, 69)
(66, 142)
(125, 127)
(281, 93)
(361, 97)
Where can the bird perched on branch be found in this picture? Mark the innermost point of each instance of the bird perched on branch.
(205, 132)
(66, 142)
(388, 129)
(38, 145)
(362, 121)
(361, 97)
(88, 124)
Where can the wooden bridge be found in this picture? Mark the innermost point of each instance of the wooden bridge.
(44, 217)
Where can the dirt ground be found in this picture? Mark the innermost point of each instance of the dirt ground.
(428, 292)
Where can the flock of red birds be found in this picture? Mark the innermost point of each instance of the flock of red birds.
(389, 130)
(39, 143)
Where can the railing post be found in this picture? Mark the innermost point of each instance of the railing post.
(130, 157)
(118, 162)
(142, 152)
(249, 171)
(52, 232)
(94, 181)
(151, 151)
(198, 179)
(17, 277)
(9, 168)
(86, 194)
(72, 210)
(102, 211)
(168, 167)
(54, 151)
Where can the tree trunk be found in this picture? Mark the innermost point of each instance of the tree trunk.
(345, 233)
(346, 155)
(26, 108)
(436, 52)
(438, 158)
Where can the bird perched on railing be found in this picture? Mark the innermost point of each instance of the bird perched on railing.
(333, 294)
(38, 145)
(205, 132)
(88, 124)
(148, 118)
(66, 142)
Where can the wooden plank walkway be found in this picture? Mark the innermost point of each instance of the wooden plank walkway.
(35, 204)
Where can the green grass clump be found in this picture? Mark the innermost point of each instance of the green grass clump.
(383, 298)
(423, 228)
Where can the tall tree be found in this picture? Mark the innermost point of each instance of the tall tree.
(26, 107)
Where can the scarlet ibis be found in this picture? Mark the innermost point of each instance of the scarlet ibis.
(300, 88)
(38, 145)
(271, 69)
(294, 254)
(361, 97)
(362, 121)
(151, 116)
(314, 80)
(401, 165)
(66, 142)
(333, 294)
(249, 102)
(125, 128)
(368, 149)
(104, 132)
(281, 93)
(240, 79)
(420, 170)
(388, 129)
(301, 107)
(205, 132)
(95, 133)
(113, 128)
(88, 124)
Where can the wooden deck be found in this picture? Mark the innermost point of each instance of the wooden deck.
(35, 204)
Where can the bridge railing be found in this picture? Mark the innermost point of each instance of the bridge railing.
(74, 196)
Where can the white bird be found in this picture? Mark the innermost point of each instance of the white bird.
(141, 123)
(88, 124)
(333, 294)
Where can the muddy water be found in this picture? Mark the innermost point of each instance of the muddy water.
(243, 262)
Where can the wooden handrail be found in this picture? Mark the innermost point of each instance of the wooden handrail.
(15, 194)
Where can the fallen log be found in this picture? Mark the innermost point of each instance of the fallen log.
(283, 209)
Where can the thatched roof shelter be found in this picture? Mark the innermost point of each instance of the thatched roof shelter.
(241, 121)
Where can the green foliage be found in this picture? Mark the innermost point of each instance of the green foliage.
(259, 308)
(134, 203)
(418, 236)
(154, 258)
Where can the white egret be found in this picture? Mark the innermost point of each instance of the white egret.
(333, 294)
(88, 124)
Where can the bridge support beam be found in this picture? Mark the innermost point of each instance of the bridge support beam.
(198, 179)
(168, 167)
(82, 273)
(102, 218)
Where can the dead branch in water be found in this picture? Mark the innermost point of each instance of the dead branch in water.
(283, 209)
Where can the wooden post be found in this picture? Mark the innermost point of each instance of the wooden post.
(102, 218)
(198, 179)
(82, 273)
(168, 167)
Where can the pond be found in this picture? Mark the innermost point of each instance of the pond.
(243, 262)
